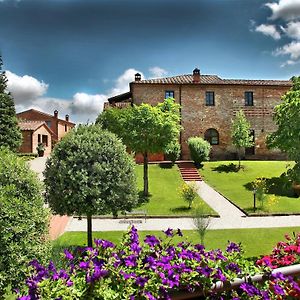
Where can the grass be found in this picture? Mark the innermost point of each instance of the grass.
(255, 242)
(237, 185)
(164, 184)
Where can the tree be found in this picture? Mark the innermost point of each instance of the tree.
(286, 117)
(240, 134)
(199, 149)
(10, 133)
(144, 128)
(23, 220)
(90, 172)
(201, 221)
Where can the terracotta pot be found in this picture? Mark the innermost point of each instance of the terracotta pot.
(296, 188)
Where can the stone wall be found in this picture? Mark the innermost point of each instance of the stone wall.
(197, 117)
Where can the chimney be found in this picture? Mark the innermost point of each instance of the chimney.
(67, 118)
(56, 113)
(196, 76)
(137, 77)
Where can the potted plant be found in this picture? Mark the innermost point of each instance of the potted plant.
(294, 176)
(40, 149)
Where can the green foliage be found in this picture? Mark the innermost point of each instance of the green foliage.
(199, 149)
(23, 220)
(173, 151)
(90, 172)
(144, 128)
(201, 221)
(259, 186)
(10, 133)
(240, 133)
(188, 192)
(286, 117)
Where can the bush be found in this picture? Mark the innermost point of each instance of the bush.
(155, 269)
(173, 151)
(189, 192)
(199, 150)
(23, 220)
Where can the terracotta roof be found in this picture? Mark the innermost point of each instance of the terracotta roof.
(212, 79)
(122, 97)
(33, 125)
(30, 125)
(45, 114)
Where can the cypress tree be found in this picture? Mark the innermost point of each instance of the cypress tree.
(10, 133)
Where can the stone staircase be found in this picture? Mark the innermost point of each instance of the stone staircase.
(188, 171)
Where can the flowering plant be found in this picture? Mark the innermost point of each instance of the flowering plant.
(154, 270)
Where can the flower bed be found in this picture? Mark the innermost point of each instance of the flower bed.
(157, 269)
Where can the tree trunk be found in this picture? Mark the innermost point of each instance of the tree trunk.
(146, 190)
(89, 231)
(239, 156)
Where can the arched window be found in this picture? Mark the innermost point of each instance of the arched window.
(212, 136)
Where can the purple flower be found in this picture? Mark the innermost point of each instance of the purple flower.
(84, 265)
(68, 255)
(233, 247)
(206, 271)
(24, 298)
(141, 281)
(250, 289)
(219, 275)
(149, 296)
(130, 261)
(179, 232)
(151, 240)
(233, 267)
(168, 232)
(69, 282)
(278, 290)
(104, 243)
(127, 276)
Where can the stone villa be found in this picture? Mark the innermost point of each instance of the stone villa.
(39, 127)
(208, 105)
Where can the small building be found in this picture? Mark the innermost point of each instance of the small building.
(35, 132)
(60, 127)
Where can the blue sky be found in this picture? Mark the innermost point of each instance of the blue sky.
(73, 54)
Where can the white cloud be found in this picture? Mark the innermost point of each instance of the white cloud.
(285, 9)
(25, 88)
(122, 83)
(269, 30)
(158, 72)
(292, 49)
(292, 30)
(29, 92)
(289, 63)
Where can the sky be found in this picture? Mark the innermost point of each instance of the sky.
(72, 55)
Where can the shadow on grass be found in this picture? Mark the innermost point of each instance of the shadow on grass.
(278, 186)
(227, 168)
(143, 199)
(166, 165)
(180, 209)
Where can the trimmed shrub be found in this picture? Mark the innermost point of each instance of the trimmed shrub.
(173, 151)
(23, 220)
(199, 150)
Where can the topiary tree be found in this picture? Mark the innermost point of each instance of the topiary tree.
(90, 172)
(23, 220)
(144, 128)
(172, 151)
(10, 133)
(199, 150)
(240, 134)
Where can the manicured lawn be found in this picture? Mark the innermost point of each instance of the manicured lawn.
(255, 241)
(236, 186)
(164, 184)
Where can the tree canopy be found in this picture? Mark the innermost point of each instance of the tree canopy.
(144, 128)
(10, 133)
(287, 118)
(88, 173)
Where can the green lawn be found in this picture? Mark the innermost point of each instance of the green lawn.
(164, 183)
(255, 241)
(236, 186)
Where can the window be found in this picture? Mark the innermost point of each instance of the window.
(169, 94)
(39, 138)
(48, 123)
(249, 98)
(210, 98)
(66, 128)
(212, 136)
(45, 140)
